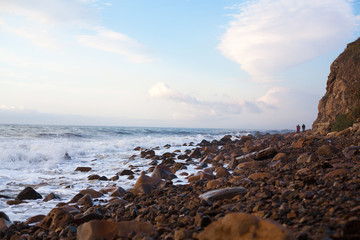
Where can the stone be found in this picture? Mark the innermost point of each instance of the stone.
(280, 157)
(351, 229)
(265, 154)
(35, 219)
(299, 143)
(213, 183)
(86, 200)
(15, 202)
(162, 172)
(224, 193)
(93, 177)
(92, 193)
(51, 196)
(145, 184)
(28, 194)
(102, 229)
(259, 176)
(87, 218)
(239, 226)
(302, 158)
(76, 198)
(222, 172)
(83, 169)
(119, 192)
(324, 150)
(125, 172)
(5, 222)
(336, 172)
(351, 151)
(196, 153)
(56, 218)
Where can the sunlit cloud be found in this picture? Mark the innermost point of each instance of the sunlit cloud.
(211, 108)
(269, 36)
(107, 40)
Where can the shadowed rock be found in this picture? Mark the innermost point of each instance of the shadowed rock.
(28, 194)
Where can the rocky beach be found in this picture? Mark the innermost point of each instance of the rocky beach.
(294, 185)
(282, 186)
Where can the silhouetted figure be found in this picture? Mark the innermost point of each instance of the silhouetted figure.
(303, 127)
(298, 128)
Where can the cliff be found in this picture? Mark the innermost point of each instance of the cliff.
(339, 107)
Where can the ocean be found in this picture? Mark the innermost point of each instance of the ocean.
(45, 158)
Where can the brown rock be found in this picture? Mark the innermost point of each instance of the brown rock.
(51, 196)
(83, 169)
(5, 222)
(224, 193)
(259, 176)
(87, 218)
(56, 218)
(280, 157)
(86, 201)
(125, 172)
(302, 158)
(28, 193)
(213, 183)
(162, 172)
(92, 193)
(239, 226)
(324, 150)
(299, 143)
(221, 172)
(351, 151)
(15, 202)
(101, 229)
(93, 177)
(265, 154)
(335, 173)
(146, 184)
(35, 219)
(119, 192)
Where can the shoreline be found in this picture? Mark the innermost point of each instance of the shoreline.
(308, 184)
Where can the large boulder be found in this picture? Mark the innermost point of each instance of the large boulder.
(56, 218)
(146, 184)
(224, 193)
(241, 226)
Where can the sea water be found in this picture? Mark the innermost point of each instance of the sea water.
(35, 156)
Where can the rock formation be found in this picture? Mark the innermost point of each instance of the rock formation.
(340, 105)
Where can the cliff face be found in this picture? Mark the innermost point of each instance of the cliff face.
(341, 102)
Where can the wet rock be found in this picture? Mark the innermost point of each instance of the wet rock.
(100, 229)
(147, 154)
(119, 192)
(196, 153)
(28, 194)
(51, 196)
(125, 172)
(76, 198)
(94, 177)
(245, 226)
(56, 218)
(224, 193)
(15, 202)
(83, 169)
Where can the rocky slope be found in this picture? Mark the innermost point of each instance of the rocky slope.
(342, 97)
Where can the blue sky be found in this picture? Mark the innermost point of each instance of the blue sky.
(181, 63)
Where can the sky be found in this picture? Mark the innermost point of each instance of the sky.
(258, 64)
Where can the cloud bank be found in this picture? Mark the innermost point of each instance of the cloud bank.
(269, 36)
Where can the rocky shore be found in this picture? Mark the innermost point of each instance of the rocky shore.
(284, 186)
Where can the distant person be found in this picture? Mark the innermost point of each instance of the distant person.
(298, 128)
(303, 127)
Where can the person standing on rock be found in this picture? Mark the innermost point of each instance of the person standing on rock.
(298, 128)
(303, 127)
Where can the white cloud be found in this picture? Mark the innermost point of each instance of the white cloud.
(203, 107)
(115, 42)
(268, 36)
(12, 108)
